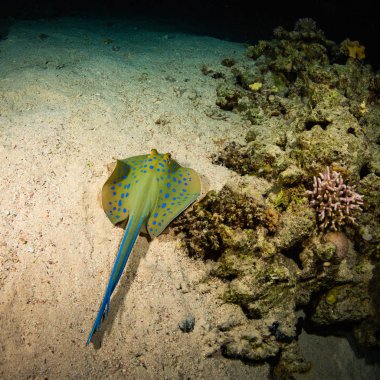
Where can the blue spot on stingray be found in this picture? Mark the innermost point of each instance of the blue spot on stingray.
(158, 169)
(113, 188)
(124, 176)
(150, 229)
(185, 184)
(120, 203)
(114, 193)
(168, 185)
(161, 164)
(159, 224)
(167, 195)
(149, 159)
(174, 179)
(163, 215)
(118, 209)
(163, 205)
(184, 190)
(151, 167)
(155, 215)
(117, 216)
(174, 199)
(122, 195)
(114, 208)
(126, 194)
(128, 186)
(169, 175)
(154, 222)
(179, 181)
(169, 171)
(145, 166)
(114, 182)
(174, 190)
(172, 204)
(125, 210)
(181, 175)
(160, 191)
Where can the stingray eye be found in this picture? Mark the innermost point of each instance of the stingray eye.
(167, 157)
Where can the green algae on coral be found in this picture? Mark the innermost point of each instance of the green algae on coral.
(311, 112)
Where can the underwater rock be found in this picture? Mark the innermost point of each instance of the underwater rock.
(340, 241)
(292, 175)
(291, 361)
(345, 303)
(305, 93)
(187, 324)
(228, 97)
(228, 62)
(297, 224)
(368, 220)
(310, 106)
(211, 225)
(234, 157)
(272, 263)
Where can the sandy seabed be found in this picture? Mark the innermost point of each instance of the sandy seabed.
(75, 95)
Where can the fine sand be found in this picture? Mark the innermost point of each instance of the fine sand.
(74, 96)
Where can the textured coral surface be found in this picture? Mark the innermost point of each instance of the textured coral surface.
(313, 107)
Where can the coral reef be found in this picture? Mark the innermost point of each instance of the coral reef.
(319, 110)
(353, 49)
(334, 201)
(312, 104)
(271, 264)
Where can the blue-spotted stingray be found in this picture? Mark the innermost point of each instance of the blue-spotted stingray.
(148, 191)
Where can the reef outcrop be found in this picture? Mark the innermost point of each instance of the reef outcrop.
(312, 104)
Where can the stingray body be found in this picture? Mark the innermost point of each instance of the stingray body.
(148, 190)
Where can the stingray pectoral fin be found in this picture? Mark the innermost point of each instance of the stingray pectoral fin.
(115, 193)
(178, 191)
(129, 238)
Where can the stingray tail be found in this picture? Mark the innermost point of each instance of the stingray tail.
(129, 238)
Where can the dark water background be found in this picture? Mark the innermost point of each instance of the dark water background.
(243, 21)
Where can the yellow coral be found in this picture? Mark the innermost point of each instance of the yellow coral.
(363, 107)
(353, 49)
(255, 86)
(331, 298)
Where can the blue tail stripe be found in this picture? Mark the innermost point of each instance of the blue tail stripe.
(112, 285)
(129, 250)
